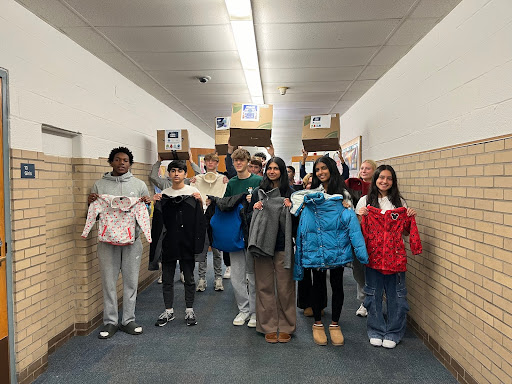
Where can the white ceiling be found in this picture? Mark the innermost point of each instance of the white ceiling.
(328, 52)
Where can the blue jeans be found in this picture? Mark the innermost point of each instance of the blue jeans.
(386, 324)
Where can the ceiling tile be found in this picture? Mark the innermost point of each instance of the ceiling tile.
(390, 54)
(190, 77)
(411, 31)
(302, 97)
(89, 39)
(53, 12)
(434, 8)
(206, 38)
(208, 88)
(225, 100)
(298, 114)
(302, 58)
(309, 74)
(187, 60)
(374, 72)
(151, 12)
(306, 87)
(362, 85)
(323, 35)
(293, 11)
(302, 104)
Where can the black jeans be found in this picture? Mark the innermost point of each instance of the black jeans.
(168, 268)
(338, 296)
(226, 258)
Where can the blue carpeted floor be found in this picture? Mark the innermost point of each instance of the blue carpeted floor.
(215, 351)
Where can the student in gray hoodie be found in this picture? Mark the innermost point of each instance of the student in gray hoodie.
(115, 258)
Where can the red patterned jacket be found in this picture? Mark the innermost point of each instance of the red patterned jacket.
(383, 236)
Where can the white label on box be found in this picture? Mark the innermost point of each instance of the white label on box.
(222, 123)
(173, 139)
(320, 121)
(250, 112)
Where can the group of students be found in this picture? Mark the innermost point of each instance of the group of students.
(275, 234)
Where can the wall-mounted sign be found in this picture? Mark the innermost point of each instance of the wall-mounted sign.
(28, 171)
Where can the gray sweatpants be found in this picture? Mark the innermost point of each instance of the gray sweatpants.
(358, 273)
(114, 259)
(217, 261)
(242, 271)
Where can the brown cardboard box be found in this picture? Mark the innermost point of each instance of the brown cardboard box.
(171, 154)
(221, 135)
(321, 139)
(251, 132)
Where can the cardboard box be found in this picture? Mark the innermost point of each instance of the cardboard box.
(222, 135)
(321, 139)
(251, 124)
(168, 146)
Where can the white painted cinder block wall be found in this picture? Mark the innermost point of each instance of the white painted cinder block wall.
(54, 81)
(454, 86)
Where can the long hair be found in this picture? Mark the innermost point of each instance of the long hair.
(394, 195)
(336, 183)
(284, 186)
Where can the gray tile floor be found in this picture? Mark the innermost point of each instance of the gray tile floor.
(215, 351)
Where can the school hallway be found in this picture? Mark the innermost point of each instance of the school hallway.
(215, 351)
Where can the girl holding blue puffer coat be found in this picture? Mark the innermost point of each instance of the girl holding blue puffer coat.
(327, 237)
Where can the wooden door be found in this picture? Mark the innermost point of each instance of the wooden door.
(4, 334)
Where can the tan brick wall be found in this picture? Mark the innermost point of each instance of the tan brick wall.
(460, 288)
(57, 285)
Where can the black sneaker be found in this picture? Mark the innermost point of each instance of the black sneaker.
(190, 318)
(164, 318)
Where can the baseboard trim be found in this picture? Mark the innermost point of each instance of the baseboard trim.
(444, 357)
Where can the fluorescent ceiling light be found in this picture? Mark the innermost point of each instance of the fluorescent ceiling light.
(242, 26)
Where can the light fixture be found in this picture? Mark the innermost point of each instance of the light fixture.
(242, 26)
(282, 90)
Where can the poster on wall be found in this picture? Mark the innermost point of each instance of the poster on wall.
(351, 152)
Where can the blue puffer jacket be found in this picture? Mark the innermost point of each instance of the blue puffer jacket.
(326, 234)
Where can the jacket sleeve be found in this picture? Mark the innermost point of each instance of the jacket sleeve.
(231, 171)
(346, 171)
(142, 216)
(155, 249)
(159, 182)
(95, 209)
(302, 171)
(414, 237)
(356, 236)
(195, 168)
(200, 228)
(286, 227)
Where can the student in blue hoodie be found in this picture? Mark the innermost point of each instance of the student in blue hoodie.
(115, 258)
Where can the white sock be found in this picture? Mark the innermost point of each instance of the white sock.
(169, 310)
(189, 310)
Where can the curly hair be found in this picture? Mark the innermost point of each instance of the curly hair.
(117, 150)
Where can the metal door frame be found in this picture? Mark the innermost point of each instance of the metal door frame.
(7, 209)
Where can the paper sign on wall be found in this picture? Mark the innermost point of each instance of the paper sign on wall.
(320, 121)
(250, 112)
(173, 140)
(222, 123)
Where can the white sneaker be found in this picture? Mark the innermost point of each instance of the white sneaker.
(388, 344)
(227, 273)
(218, 284)
(241, 318)
(252, 321)
(376, 342)
(182, 277)
(201, 285)
(362, 311)
(159, 281)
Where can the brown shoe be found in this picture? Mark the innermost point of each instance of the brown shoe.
(337, 338)
(271, 337)
(284, 337)
(319, 335)
(308, 312)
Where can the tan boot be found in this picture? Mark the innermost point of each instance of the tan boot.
(308, 312)
(319, 335)
(337, 338)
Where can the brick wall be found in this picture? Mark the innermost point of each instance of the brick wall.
(460, 288)
(57, 285)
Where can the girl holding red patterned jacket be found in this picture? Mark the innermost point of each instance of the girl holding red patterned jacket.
(384, 219)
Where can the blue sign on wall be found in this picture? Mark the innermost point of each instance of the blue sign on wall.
(28, 171)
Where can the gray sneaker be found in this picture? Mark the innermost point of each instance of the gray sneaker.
(190, 317)
(218, 284)
(201, 285)
(164, 318)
